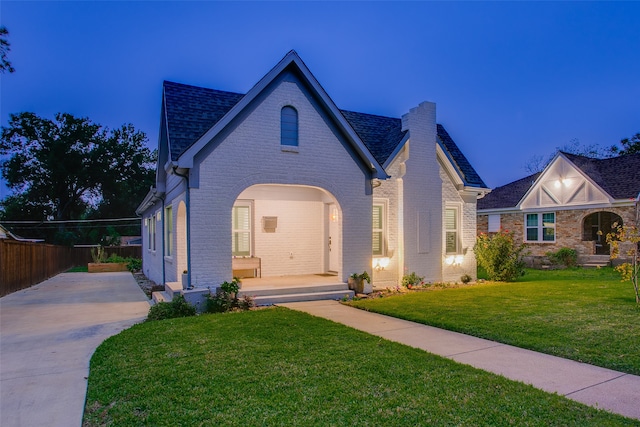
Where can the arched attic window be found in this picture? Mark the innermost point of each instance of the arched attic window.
(289, 126)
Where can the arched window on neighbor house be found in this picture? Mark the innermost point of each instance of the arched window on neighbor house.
(289, 126)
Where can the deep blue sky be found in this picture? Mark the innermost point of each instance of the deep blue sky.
(510, 80)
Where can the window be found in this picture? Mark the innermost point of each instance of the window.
(540, 227)
(494, 223)
(289, 126)
(168, 231)
(379, 229)
(151, 233)
(241, 230)
(451, 230)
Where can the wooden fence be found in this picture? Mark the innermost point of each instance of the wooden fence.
(24, 264)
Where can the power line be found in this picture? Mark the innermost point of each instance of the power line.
(67, 221)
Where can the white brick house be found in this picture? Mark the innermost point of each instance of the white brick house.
(281, 176)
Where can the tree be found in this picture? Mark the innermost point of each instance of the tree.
(537, 163)
(5, 47)
(629, 146)
(629, 235)
(70, 168)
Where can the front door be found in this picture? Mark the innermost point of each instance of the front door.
(333, 243)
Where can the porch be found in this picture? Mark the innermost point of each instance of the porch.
(280, 289)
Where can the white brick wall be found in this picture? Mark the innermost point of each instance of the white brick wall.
(250, 154)
(422, 195)
(390, 191)
(452, 273)
(152, 260)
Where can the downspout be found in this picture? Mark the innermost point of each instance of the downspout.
(188, 203)
(163, 213)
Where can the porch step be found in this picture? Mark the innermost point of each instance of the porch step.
(160, 296)
(293, 289)
(170, 289)
(595, 261)
(275, 295)
(309, 296)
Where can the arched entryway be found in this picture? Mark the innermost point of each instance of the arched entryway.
(596, 226)
(286, 230)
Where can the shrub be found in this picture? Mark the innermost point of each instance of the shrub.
(564, 256)
(500, 256)
(465, 278)
(411, 280)
(178, 307)
(116, 259)
(226, 299)
(134, 264)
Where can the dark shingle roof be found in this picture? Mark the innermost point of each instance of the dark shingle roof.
(191, 111)
(508, 195)
(469, 174)
(618, 176)
(380, 134)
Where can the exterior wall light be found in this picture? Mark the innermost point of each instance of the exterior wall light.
(334, 214)
(454, 259)
(380, 264)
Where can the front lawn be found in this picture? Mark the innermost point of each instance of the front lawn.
(585, 315)
(277, 367)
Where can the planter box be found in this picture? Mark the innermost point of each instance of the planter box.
(106, 267)
(360, 286)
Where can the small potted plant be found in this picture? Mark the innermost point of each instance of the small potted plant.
(361, 283)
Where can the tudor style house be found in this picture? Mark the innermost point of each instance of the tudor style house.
(572, 203)
(279, 182)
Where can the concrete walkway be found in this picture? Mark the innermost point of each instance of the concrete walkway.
(612, 391)
(48, 334)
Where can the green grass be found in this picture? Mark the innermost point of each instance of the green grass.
(277, 367)
(78, 269)
(584, 315)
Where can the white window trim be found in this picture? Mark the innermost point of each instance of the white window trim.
(153, 220)
(384, 204)
(458, 230)
(168, 232)
(540, 227)
(249, 204)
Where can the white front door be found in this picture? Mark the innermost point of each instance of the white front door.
(334, 244)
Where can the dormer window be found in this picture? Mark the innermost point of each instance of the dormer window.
(289, 126)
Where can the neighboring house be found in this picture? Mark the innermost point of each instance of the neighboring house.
(281, 181)
(573, 203)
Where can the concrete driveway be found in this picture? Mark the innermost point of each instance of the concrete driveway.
(48, 334)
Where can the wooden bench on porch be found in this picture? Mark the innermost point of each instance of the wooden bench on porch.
(246, 267)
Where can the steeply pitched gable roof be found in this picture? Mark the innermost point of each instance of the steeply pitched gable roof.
(468, 174)
(618, 176)
(380, 134)
(191, 111)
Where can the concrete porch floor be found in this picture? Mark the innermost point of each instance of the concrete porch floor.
(283, 282)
